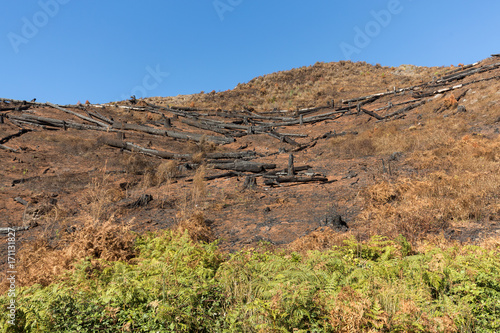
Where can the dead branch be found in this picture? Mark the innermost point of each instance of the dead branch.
(168, 155)
(404, 110)
(100, 123)
(244, 166)
(18, 134)
(293, 179)
(8, 148)
(173, 134)
(44, 121)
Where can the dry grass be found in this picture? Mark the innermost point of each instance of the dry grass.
(200, 148)
(319, 240)
(197, 228)
(166, 171)
(352, 146)
(199, 185)
(100, 195)
(460, 187)
(43, 263)
(138, 164)
(491, 243)
(68, 142)
(305, 86)
(400, 136)
(349, 310)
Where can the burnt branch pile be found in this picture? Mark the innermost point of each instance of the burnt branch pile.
(219, 127)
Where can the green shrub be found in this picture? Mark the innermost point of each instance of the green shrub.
(175, 285)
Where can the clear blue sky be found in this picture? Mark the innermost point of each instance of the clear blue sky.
(65, 51)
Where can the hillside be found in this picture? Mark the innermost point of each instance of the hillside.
(300, 160)
(307, 86)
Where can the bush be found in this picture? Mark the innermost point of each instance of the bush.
(178, 285)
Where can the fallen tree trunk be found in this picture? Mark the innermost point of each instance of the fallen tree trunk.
(210, 127)
(313, 119)
(223, 175)
(454, 71)
(168, 155)
(100, 123)
(285, 171)
(17, 108)
(135, 148)
(8, 148)
(378, 95)
(458, 76)
(283, 138)
(24, 180)
(251, 115)
(235, 155)
(44, 121)
(403, 110)
(435, 92)
(311, 110)
(21, 132)
(244, 166)
(294, 179)
(176, 135)
(178, 111)
(21, 102)
(373, 114)
(334, 134)
(390, 105)
(101, 117)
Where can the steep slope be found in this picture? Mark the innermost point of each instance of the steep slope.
(407, 150)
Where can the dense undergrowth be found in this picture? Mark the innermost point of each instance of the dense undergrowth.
(177, 285)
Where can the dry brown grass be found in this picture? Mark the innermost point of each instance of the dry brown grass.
(68, 142)
(196, 227)
(100, 195)
(305, 86)
(460, 186)
(352, 146)
(491, 243)
(199, 185)
(319, 240)
(203, 147)
(43, 263)
(166, 171)
(349, 310)
(138, 164)
(198, 157)
(399, 136)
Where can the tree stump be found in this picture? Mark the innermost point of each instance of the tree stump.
(167, 122)
(291, 168)
(250, 182)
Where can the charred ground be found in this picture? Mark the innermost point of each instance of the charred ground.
(376, 150)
